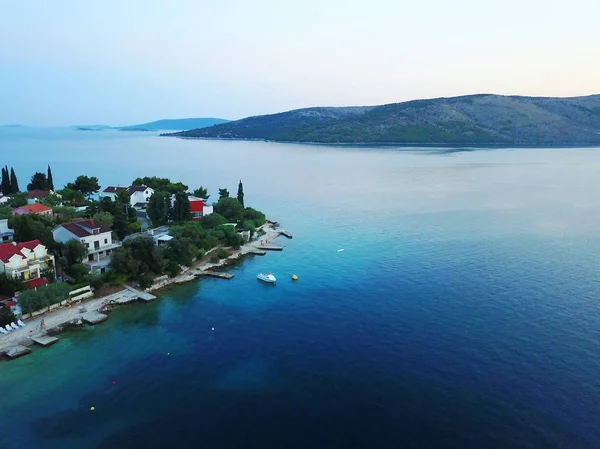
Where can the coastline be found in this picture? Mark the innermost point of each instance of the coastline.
(57, 320)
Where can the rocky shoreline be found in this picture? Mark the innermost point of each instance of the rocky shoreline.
(17, 343)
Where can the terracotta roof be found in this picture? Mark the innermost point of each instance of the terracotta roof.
(37, 194)
(8, 250)
(36, 208)
(111, 189)
(34, 283)
(81, 227)
(9, 303)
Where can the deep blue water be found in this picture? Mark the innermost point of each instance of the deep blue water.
(463, 312)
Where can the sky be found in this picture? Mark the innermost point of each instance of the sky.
(69, 62)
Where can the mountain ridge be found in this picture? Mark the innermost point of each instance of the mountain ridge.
(469, 119)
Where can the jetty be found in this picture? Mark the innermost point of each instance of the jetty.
(270, 248)
(216, 274)
(94, 317)
(44, 340)
(12, 352)
(257, 252)
(142, 296)
(286, 234)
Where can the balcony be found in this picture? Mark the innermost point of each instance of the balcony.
(104, 248)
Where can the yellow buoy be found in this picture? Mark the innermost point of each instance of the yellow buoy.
(294, 277)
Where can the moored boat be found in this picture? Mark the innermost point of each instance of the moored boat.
(267, 277)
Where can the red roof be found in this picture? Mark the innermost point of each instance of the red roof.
(9, 249)
(37, 194)
(36, 208)
(34, 283)
(111, 189)
(8, 303)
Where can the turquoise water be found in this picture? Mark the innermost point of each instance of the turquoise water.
(463, 311)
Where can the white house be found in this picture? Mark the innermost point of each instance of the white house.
(6, 233)
(4, 199)
(138, 195)
(97, 240)
(25, 261)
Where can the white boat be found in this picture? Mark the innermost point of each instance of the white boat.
(267, 277)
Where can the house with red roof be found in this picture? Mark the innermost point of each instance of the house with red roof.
(199, 207)
(96, 238)
(37, 208)
(35, 196)
(26, 261)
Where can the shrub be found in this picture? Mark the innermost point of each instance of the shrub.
(173, 269)
(214, 259)
(221, 253)
(145, 281)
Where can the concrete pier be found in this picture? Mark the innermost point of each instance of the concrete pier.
(285, 234)
(217, 274)
(44, 340)
(16, 351)
(258, 252)
(94, 317)
(271, 248)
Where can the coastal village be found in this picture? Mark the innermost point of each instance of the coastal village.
(68, 256)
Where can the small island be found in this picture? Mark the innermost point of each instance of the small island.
(89, 249)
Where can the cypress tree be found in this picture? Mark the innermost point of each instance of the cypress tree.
(50, 180)
(5, 190)
(240, 193)
(14, 184)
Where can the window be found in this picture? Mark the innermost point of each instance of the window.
(105, 241)
(97, 244)
(87, 245)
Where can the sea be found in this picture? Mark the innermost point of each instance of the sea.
(447, 298)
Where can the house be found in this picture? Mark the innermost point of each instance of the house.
(37, 208)
(199, 207)
(138, 195)
(4, 199)
(97, 240)
(6, 233)
(35, 196)
(159, 235)
(26, 261)
(111, 192)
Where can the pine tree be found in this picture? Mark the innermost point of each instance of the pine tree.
(14, 184)
(240, 194)
(50, 180)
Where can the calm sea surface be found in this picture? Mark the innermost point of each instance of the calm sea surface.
(464, 311)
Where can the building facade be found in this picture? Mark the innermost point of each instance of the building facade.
(95, 238)
(36, 208)
(6, 234)
(25, 260)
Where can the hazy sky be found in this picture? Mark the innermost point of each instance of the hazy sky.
(66, 62)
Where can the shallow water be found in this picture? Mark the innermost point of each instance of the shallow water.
(463, 311)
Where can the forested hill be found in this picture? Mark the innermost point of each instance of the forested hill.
(473, 119)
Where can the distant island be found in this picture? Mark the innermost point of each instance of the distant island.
(482, 119)
(175, 124)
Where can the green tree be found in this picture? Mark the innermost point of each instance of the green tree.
(160, 184)
(201, 192)
(123, 197)
(52, 200)
(211, 221)
(74, 251)
(33, 227)
(182, 210)
(33, 300)
(38, 182)
(240, 193)
(159, 208)
(230, 208)
(183, 251)
(18, 199)
(6, 316)
(87, 185)
(104, 219)
(48, 274)
(256, 216)
(50, 179)
(9, 285)
(72, 197)
(5, 181)
(223, 193)
(14, 184)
